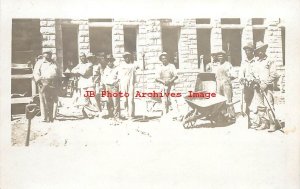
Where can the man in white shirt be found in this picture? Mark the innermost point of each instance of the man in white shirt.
(166, 75)
(111, 81)
(127, 76)
(246, 79)
(85, 72)
(46, 75)
(224, 75)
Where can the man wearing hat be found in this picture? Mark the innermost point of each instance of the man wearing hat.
(127, 75)
(166, 75)
(46, 75)
(224, 75)
(214, 64)
(265, 75)
(246, 78)
(85, 72)
(111, 81)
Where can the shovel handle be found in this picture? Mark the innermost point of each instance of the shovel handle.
(28, 133)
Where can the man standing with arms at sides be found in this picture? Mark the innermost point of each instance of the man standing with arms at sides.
(127, 80)
(246, 79)
(224, 75)
(46, 75)
(111, 81)
(166, 75)
(265, 76)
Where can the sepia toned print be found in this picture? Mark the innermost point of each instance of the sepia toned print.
(75, 76)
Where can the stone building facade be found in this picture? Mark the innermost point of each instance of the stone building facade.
(188, 38)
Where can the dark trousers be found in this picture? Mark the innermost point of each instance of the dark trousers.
(48, 92)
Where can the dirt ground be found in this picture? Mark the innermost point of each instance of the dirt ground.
(70, 129)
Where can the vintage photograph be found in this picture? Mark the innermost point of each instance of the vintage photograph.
(89, 82)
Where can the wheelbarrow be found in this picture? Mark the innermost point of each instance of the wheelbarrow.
(212, 109)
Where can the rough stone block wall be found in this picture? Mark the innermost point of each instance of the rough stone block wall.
(187, 47)
(47, 29)
(247, 35)
(153, 41)
(216, 35)
(149, 42)
(83, 36)
(118, 40)
(186, 81)
(273, 38)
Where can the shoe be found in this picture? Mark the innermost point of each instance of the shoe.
(84, 114)
(273, 128)
(254, 126)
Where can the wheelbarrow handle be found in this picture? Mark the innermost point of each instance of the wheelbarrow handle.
(232, 103)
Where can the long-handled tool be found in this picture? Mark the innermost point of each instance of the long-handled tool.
(277, 123)
(30, 111)
(242, 104)
(143, 119)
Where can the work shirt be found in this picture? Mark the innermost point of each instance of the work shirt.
(86, 72)
(212, 67)
(127, 72)
(265, 70)
(97, 72)
(224, 72)
(166, 72)
(247, 69)
(110, 75)
(44, 69)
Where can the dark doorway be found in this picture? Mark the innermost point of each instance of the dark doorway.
(70, 46)
(26, 40)
(203, 45)
(258, 35)
(231, 43)
(101, 40)
(130, 35)
(170, 38)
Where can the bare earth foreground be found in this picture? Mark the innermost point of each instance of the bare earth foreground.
(70, 129)
(159, 152)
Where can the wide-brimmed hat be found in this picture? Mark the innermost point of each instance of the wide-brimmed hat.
(82, 54)
(90, 55)
(110, 57)
(261, 45)
(163, 54)
(249, 46)
(222, 52)
(213, 53)
(126, 54)
(48, 52)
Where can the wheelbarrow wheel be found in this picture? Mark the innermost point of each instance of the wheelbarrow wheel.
(220, 119)
(187, 121)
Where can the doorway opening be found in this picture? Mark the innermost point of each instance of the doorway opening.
(101, 40)
(170, 37)
(70, 46)
(231, 43)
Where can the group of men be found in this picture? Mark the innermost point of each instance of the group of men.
(257, 75)
(100, 73)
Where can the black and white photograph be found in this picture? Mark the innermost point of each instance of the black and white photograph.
(149, 94)
(101, 78)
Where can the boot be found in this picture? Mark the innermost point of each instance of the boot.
(273, 128)
(264, 125)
